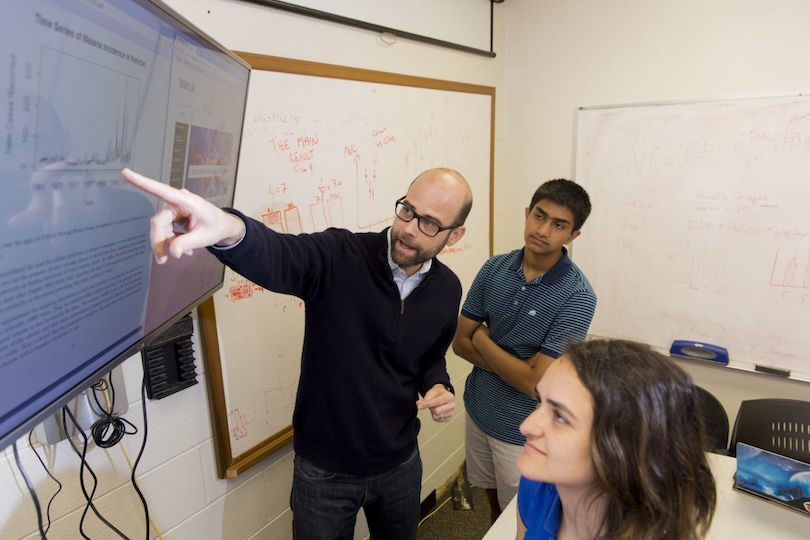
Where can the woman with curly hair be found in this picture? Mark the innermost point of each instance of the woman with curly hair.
(615, 449)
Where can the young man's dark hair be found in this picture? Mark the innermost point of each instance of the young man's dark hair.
(565, 193)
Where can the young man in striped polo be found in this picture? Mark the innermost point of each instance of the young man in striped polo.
(521, 311)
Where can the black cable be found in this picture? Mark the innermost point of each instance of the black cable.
(84, 465)
(58, 483)
(89, 499)
(140, 453)
(115, 426)
(30, 490)
(108, 430)
(101, 386)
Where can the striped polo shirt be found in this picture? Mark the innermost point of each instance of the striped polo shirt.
(523, 318)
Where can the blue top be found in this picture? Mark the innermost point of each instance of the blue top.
(539, 508)
(523, 318)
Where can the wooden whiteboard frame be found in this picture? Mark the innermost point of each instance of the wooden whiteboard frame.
(229, 466)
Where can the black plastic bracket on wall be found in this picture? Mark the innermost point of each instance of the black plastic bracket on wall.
(168, 360)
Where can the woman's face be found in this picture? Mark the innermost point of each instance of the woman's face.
(558, 432)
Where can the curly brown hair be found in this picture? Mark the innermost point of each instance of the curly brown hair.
(648, 442)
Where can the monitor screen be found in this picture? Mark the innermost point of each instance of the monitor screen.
(87, 88)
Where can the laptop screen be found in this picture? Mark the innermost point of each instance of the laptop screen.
(776, 478)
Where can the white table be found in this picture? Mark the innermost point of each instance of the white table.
(738, 516)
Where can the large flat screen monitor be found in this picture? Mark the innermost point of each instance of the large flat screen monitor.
(88, 87)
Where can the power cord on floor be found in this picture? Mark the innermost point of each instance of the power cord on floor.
(448, 499)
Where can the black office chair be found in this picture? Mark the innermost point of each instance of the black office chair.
(781, 426)
(715, 419)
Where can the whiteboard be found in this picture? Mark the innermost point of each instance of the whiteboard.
(325, 146)
(701, 226)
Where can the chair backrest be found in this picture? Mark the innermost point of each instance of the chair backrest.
(781, 426)
(715, 419)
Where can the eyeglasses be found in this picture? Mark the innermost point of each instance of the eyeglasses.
(426, 225)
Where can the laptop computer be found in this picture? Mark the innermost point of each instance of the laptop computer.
(775, 478)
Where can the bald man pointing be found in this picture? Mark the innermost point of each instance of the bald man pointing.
(381, 311)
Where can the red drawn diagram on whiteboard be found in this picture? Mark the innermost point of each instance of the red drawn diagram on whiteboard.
(325, 211)
(702, 269)
(791, 269)
(263, 404)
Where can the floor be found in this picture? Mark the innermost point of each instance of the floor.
(463, 514)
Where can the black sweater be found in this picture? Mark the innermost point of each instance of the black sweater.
(366, 354)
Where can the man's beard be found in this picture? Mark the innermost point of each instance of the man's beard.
(419, 257)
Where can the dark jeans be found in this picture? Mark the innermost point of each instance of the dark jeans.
(325, 504)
